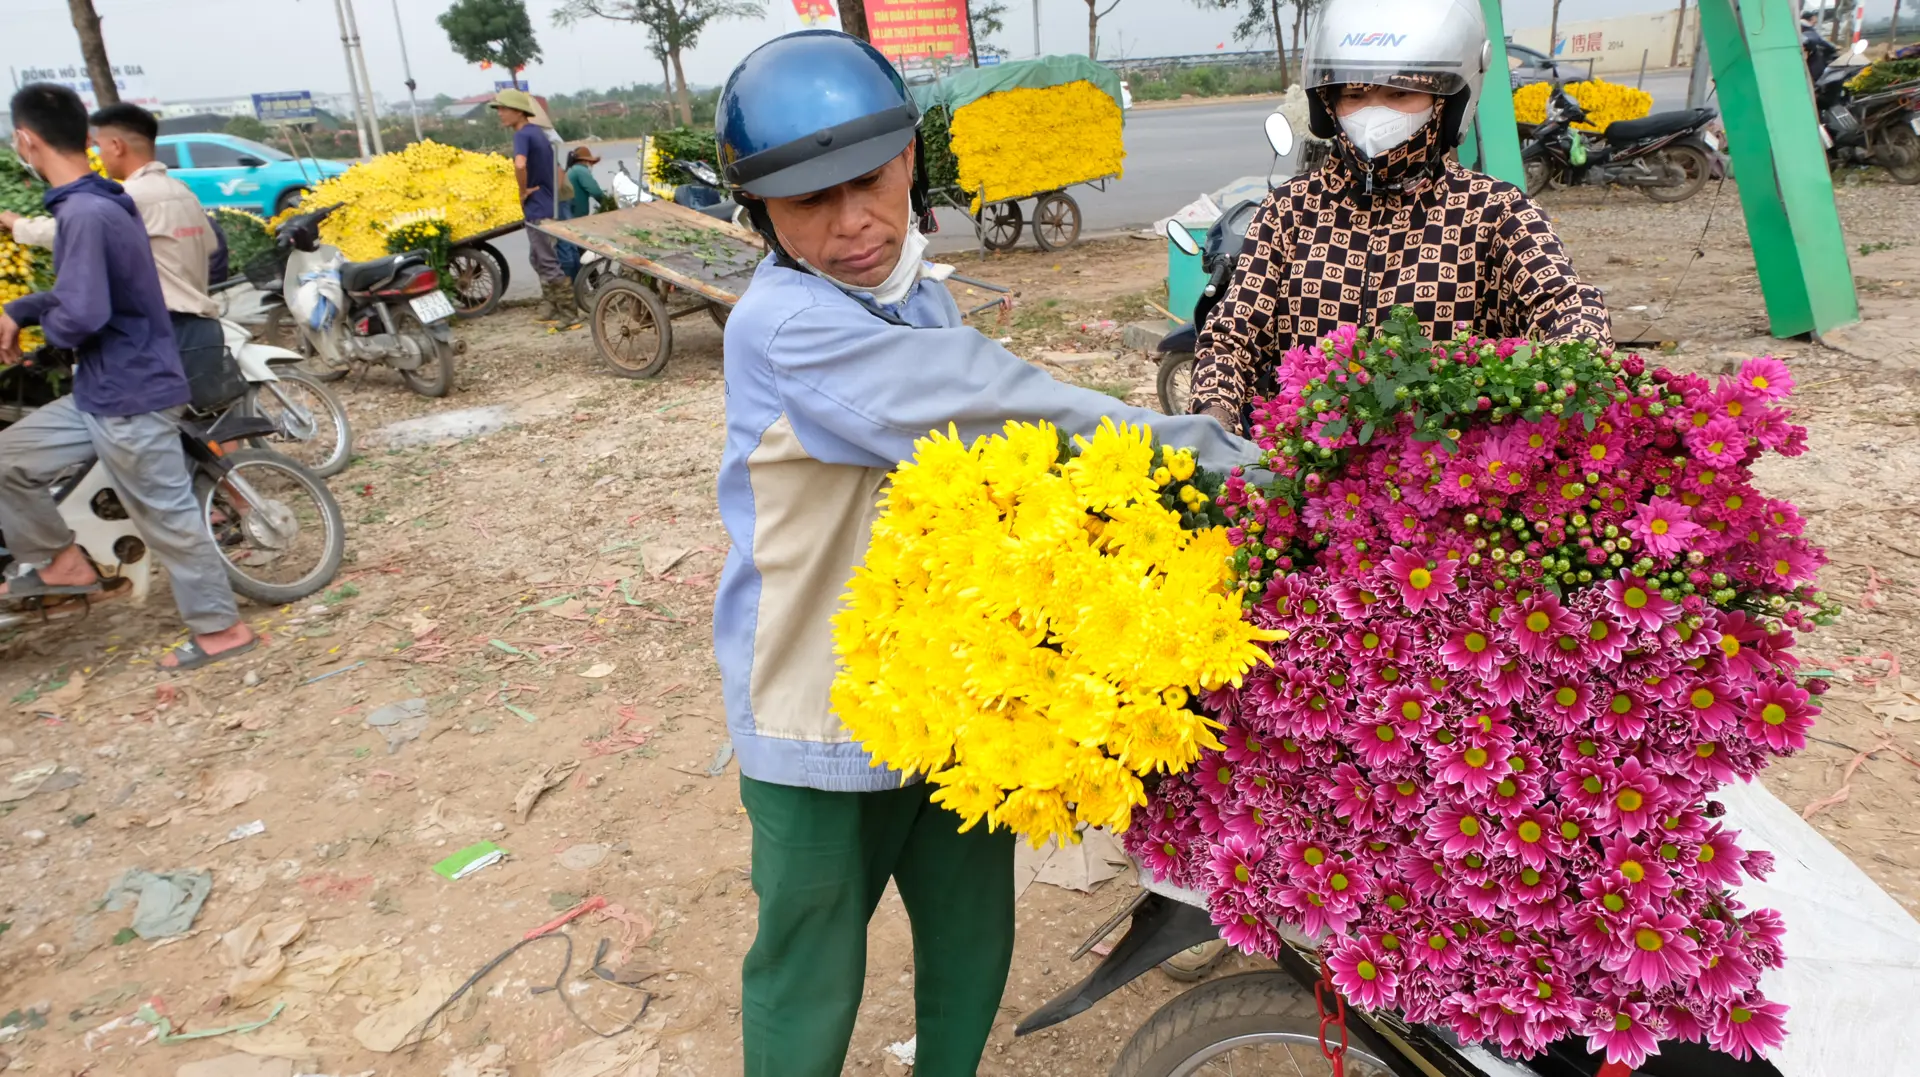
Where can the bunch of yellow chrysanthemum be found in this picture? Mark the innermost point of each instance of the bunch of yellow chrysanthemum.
(1031, 623)
(476, 191)
(1605, 103)
(1023, 141)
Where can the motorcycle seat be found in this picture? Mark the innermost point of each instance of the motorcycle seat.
(366, 276)
(1661, 123)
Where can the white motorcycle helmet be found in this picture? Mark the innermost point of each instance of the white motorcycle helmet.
(1432, 46)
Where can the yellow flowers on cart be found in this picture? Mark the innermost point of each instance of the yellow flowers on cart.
(1032, 621)
(476, 192)
(1606, 103)
(1023, 141)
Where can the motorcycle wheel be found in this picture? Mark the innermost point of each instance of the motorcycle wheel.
(313, 423)
(434, 376)
(1175, 384)
(1692, 163)
(1904, 144)
(1256, 1022)
(279, 331)
(1539, 176)
(275, 523)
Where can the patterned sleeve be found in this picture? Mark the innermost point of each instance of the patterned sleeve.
(1243, 328)
(1540, 295)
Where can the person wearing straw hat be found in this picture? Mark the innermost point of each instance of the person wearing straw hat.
(533, 171)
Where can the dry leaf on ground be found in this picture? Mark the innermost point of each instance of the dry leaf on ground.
(549, 776)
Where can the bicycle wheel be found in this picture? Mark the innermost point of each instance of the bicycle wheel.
(275, 523)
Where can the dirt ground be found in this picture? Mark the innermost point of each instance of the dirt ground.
(545, 587)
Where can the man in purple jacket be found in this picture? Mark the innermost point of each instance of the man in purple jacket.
(128, 390)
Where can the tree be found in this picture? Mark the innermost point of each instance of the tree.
(853, 18)
(1259, 19)
(676, 26)
(492, 32)
(985, 19)
(248, 127)
(1094, 15)
(93, 48)
(1553, 32)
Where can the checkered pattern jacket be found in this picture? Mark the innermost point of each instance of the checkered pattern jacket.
(1347, 243)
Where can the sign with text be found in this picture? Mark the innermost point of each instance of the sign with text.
(287, 106)
(814, 12)
(926, 29)
(130, 81)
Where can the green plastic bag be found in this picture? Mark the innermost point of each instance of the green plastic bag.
(1578, 155)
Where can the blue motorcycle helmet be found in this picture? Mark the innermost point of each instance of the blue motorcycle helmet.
(808, 111)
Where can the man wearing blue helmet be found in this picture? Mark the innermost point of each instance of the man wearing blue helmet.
(844, 350)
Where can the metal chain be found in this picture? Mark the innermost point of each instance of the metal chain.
(1336, 1055)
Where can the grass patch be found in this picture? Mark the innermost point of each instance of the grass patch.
(1213, 81)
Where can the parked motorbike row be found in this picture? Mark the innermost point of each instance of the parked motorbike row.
(1877, 128)
(264, 435)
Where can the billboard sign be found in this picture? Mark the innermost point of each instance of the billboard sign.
(918, 29)
(130, 80)
(286, 106)
(814, 12)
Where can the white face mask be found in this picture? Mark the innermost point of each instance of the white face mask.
(20, 152)
(907, 272)
(1376, 129)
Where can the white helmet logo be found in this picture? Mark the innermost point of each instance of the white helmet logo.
(1374, 39)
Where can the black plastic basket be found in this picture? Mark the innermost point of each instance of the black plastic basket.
(267, 271)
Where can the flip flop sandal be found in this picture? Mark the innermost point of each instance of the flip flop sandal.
(190, 655)
(28, 584)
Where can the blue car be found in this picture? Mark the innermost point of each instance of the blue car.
(239, 173)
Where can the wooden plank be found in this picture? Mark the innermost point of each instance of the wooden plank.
(678, 245)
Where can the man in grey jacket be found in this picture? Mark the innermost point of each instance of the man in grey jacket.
(840, 355)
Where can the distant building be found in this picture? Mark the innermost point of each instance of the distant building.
(231, 107)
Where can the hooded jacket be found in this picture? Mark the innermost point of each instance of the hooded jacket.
(1346, 244)
(106, 304)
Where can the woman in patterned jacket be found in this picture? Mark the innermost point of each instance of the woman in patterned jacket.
(1391, 219)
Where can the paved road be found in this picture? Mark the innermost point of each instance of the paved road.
(1173, 155)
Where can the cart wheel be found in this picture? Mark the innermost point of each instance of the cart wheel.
(1056, 221)
(718, 312)
(999, 225)
(477, 280)
(631, 329)
(506, 271)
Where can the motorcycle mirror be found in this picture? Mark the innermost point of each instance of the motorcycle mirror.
(1279, 135)
(703, 172)
(1859, 47)
(1182, 239)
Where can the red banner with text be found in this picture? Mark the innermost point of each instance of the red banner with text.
(909, 30)
(817, 12)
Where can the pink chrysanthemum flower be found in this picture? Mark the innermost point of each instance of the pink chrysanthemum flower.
(1717, 860)
(1601, 452)
(1638, 604)
(1567, 701)
(1779, 716)
(1721, 443)
(1471, 765)
(1606, 642)
(1766, 377)
(1472, 648)
(1655, 952)
(1725, 972)
(1354, 601)
(1233, 862)
(1244, 928)
(1626, 1033)
(1422, 584)
(1509, 683)
(1532, 838)
(1459, 833)
(1621, 714)
(1635, 799)
(1638, 865)
(1363, 973)
(1748, 1027)
(1535, 624)
(1663, 527)
(1786, 565)
(1437, 949)
(1708, 702)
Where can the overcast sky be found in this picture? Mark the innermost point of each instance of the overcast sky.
(218, 48)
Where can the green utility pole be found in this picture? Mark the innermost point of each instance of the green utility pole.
(1781, 163)
(1494, 136)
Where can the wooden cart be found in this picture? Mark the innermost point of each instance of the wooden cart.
(664, 262)
(1055, 218)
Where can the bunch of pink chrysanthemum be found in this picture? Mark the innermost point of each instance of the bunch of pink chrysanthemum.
(1522, 655)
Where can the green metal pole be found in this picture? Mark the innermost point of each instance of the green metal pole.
(1493, 146)
(1781, 163)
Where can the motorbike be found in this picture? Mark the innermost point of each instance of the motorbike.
(1878, 128)
(275, 523)
(707, 194)
(1218, 256)
(389, 311)
(1668, 156)
(310, 423)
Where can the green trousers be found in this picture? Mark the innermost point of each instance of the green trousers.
(820, 863)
